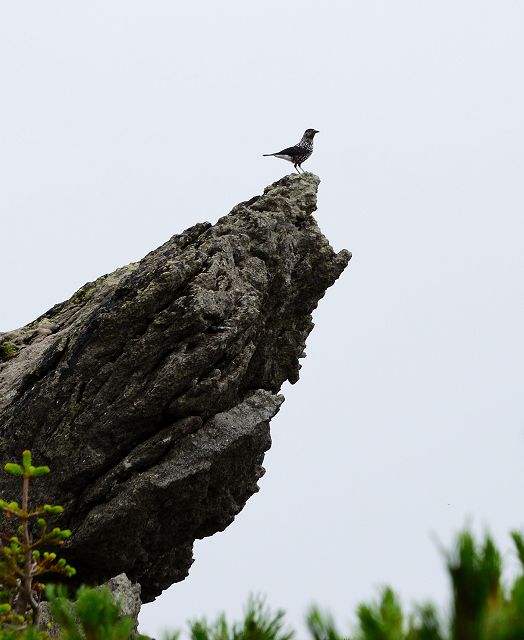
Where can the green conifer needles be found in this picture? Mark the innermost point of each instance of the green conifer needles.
(24, 554)
(26, 469)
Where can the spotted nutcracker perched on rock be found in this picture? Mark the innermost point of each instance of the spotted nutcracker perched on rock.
(300, 152)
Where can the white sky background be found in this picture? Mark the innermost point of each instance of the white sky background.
(124, 122)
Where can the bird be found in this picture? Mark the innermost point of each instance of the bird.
(298, 153)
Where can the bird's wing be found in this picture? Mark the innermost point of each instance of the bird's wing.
(286, 154)
(290, 151)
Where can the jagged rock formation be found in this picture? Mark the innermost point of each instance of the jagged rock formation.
(149, 393)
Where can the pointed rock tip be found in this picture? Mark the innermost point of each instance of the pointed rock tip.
(294, 180)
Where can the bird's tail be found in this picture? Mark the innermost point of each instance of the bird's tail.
(269, 154)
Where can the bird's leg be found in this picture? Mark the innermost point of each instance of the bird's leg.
(296, 168)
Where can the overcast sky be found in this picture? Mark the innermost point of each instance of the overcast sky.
(124, 122)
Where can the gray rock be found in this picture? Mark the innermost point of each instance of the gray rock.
(149, 393)
(127, 595)
(124, 593)
(47, 622)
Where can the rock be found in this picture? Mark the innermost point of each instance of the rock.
(149, 393)
(123, 592)
(46, 622)
(127, 595)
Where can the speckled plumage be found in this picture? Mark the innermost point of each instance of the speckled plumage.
(300, 152)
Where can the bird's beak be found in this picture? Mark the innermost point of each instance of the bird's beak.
(317, 131)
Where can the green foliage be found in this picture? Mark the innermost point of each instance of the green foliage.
(475, 577)
(93, 616)
(482, 608)
(383, 620)
(321, 625)
(518, 540)
(8, 350)
(29, 633)
(259, 624)
(424, 624)
(24, 559)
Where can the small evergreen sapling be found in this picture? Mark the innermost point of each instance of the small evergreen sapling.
(24, 559)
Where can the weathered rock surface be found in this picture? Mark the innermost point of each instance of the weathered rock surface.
(127, 595)
(149, 393)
